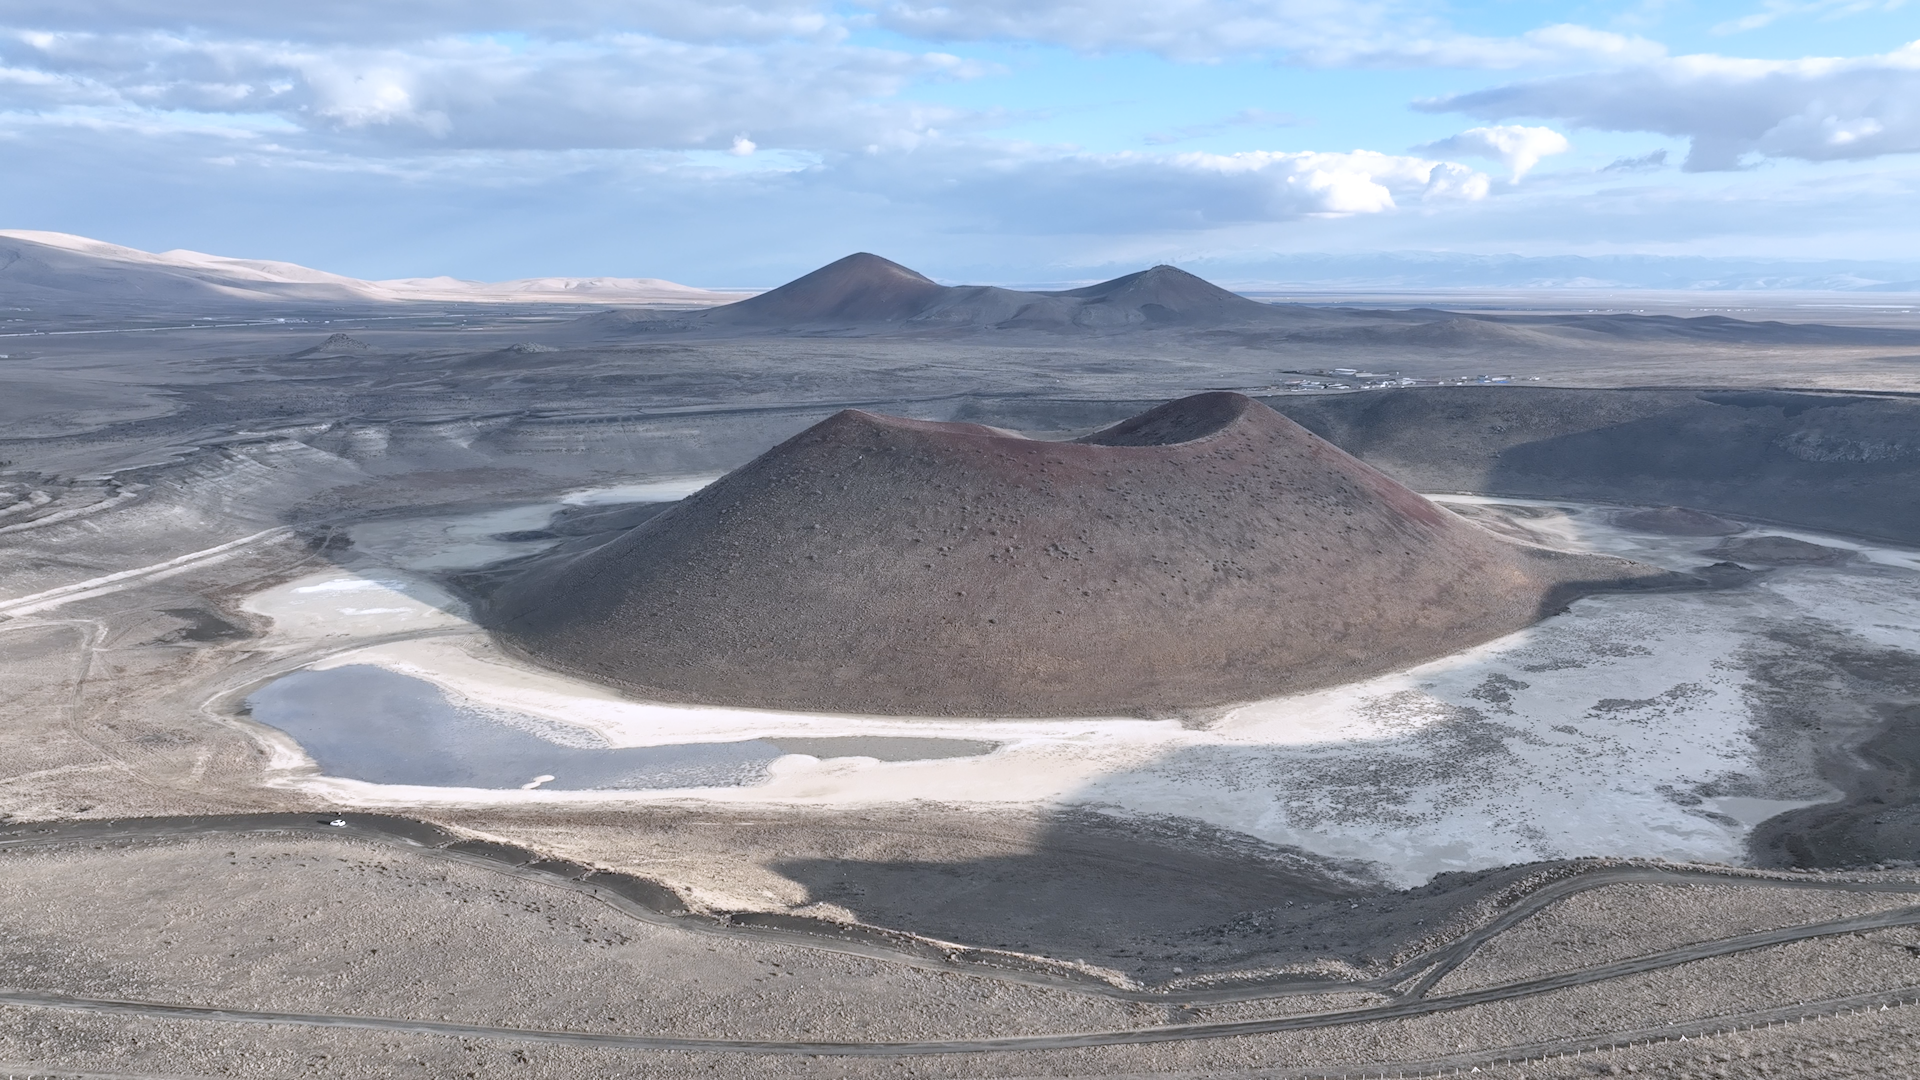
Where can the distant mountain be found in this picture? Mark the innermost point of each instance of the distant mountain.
(866, 295)
(864, 292)
(48, 268)
(560, 290)
(860, 288)
(1167, 294)
(45, 267)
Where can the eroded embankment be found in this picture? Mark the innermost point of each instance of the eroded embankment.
(1837, 462)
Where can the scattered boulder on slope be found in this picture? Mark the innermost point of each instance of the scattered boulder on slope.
(1205, 552)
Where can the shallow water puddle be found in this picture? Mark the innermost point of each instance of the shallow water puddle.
(367, 723)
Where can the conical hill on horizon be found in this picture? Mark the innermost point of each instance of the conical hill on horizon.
(865, 294)
(866, 290)
(859, 288)
(1207, 552)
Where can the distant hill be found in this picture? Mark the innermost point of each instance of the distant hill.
(864, 295)
(40, 269)
(864, 292)
(860, 288)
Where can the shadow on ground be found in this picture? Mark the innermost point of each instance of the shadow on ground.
(1089, 887)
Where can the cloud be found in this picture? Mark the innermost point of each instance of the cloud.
(1560, 44)
(975, 212)
(1814, 109)
(1772, 11)
(1518, 148)
(1132, 193)
(1656, 159)
(613, 91)
(1855, 214)
(1181, 29)
(396, 21)
(734, 128)
(396, 76)
(520, 97)
(1322, 32)
(1327, 32)
(393, 76)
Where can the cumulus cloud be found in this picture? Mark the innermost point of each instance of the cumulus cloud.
(1815, 109)
(1518, 148)
(1329, 32)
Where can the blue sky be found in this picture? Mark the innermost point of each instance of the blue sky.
(739, 143)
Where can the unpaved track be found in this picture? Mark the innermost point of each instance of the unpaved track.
(656, 904)
(1526, 1053)
(127, 579)
(1165, 1033)
(1453, 1065)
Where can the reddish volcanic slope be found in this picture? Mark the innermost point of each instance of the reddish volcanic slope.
(1206, 552)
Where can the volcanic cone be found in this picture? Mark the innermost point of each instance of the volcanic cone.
(1206, 552)
(860, 288)
(868, 293)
